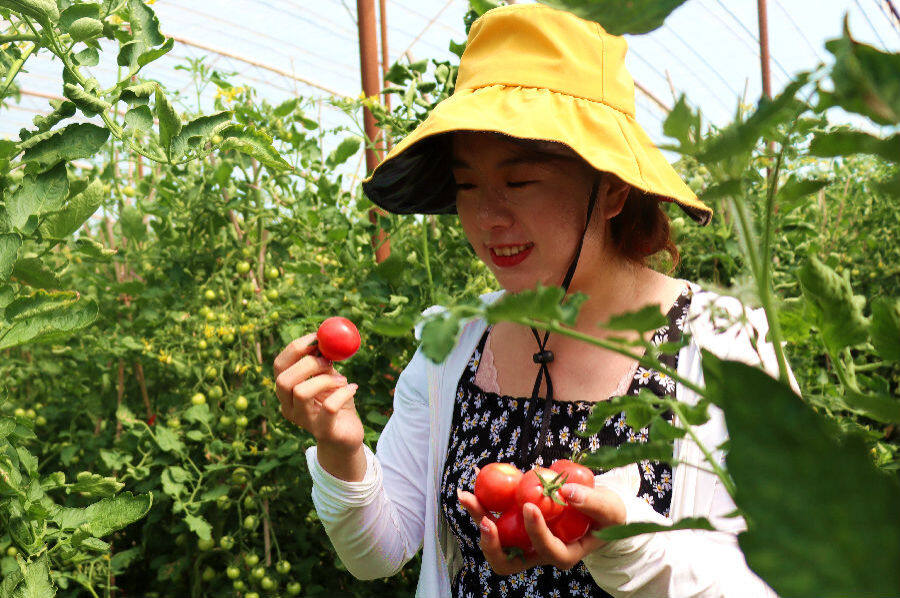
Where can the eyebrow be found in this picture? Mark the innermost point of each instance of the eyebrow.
(456, 163)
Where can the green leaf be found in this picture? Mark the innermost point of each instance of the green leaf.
(169, 123)
(74, 141)
(132, 221)
(7, 425)
(168, 440)
(482, 6)
(197, 132)
(138, 93)
(885, 329)
(619, 532)
(542, 304)
(92, 248)
(619, 18)
(96, 485)
(86, 102)
(144, 23)
(609, 457)
(837, 536)
(36, 195)
(86, 10)
(795, 189)
(682, 124)
(44, 11)
(37, 579)
(726, 188)
(81, 207)
(87, 57)
(85, 28)
(9, 251)
(838, 312)
(60, 112)
(44, 316)
(881, 408)
(285, 107)
(173, 479)
(255, 143)
(139, 118)
(199, 526)
(847, 143)
(345, 150)
(148, 56)
(647, 318)
(106, 515)
(34, 273)
(865, 79)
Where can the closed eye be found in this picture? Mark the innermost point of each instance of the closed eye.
(517, 184)
(465, 186)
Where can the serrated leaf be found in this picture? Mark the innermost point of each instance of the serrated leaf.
(198, 414)
(169, 123)
(9, 251)
(214, 493)
(32, 272)
(172, 480)
(885, 328)
(85, 28)
(36, 195)
(106, 515)
(645, 319)
(144, 23)
(148, 56)
(804, 544)
(72, 142)
(92, 248)
(838, 312)
(795, 189)
(200, 130)
(139, 118)
(132, 222)
(37, 583)
(285, 107)
(542, 303)
(44, 11)
(87, 57)
(255, 143)
(78, 11)
(96, 485)
(28, 461)
(44, 316)
(847, 143)
(199, 526)
(168, 440)
(619, 532)
(141, 91)
(682, 124)
(344, 151)
(610, 457)
(81, 207)
(7, 425)
(619, 18)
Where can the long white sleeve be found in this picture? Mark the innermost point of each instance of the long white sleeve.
(377, 525)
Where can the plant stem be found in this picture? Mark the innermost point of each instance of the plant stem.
(723, 475)
(427, 259)
(15, 68)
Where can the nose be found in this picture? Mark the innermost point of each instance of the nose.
(491, 210)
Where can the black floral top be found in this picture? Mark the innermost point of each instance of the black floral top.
(486, 428)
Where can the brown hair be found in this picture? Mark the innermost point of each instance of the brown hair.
(640, 230)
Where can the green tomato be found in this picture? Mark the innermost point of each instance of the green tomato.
(215, 392)
(251, 595)
(40, 421)
(272, 294)
(223, 502)
(226, 543)
(225, 420)
(272, 273)
(31, 414)
(205, 545)
(237, 445)
(250, 522)
(203, 311)
(209, 574)
(210, 372)
(258, 572)
(202, 345)
(198, 399)
(239, 475)
(173, 422)
(216, 139)
(210, 295)
(249, 502)
(239, 585)
(293, 588)
(283, 567)
(248, 287)
(246, 251)
(241, 403)
(12, 551)
(267, 583)
(243, 267)
(273, 316)
(19, 412)
(241, 421)
(233, 572)
(211, 316)
(228, 339)
(251, 559)
(217, 353)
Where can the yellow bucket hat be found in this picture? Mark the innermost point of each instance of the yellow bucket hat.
(533, 72)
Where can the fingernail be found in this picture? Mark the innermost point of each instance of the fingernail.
(485, 526)
(572, 493)
(459, 494)
(354, 386)
(340, 379)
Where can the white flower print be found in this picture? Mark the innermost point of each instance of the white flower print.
(503, 589)
(593, 443)
(643, 375)
(660, 489)
(666, 477)
(477, 402)
(620, 425)
(549, 441)
(631, 436)
(554, 593)
(647, 470)
(666, 381)
(574, 587)
(569, 409)
(576, 445)
(504, 418)
(514, 404)
(538, 416)
(564, 435)
(554, 410)
(644, 435)
(646, 496)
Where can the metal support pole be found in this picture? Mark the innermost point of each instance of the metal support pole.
(368, 63)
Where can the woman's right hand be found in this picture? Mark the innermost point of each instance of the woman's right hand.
(315, 397)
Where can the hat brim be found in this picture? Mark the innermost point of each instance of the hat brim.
(415, 177)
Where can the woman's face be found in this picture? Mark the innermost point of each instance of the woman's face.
(508, 198)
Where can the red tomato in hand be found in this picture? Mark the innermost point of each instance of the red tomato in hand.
(511, 530)
(571, 525)
(495, 486)
(577, 473)
(337, 338)
(548, 500)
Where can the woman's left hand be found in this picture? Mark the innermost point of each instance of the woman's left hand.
(602, 505)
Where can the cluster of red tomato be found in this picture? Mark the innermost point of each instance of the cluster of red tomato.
(502, 488)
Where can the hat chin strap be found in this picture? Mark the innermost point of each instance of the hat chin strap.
(543, 356)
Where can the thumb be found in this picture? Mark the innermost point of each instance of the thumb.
(601, 504)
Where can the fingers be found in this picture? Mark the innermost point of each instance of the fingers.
(339, 398)
(470, 503)
(601, 504)
(299, 373)
(499, 561)
(293, 352)
(548, 547)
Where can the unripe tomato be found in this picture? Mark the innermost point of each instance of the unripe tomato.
(249, 503)
(241, 403)
(250, 522)
(203, 311)
(223, 502)
(128, 190)
(232, 572)
(201, 344)
(272, 272)
(210, 372)
(19, 412)
(251, 559)
(239, 585)
(337, 338)
(226, 542)
(267, 583)
(211, 316)
(173, 422)
(216, 139)
(210, 295)
(272, 294)
(243, 267)
(251, 595)
(248, 287)
(283, 567)
(225, 420)
(40, 421)
(209, 574)
(198, 399)
(237, 445)
(228, 338)
(241, 421)
(31, 414)
(205, 545)
(217, 353)
(215, 392)
(246, 251)
(12, 551)
(258, 572)
(293, 588)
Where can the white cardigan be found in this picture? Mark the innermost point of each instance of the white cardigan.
(378, 524)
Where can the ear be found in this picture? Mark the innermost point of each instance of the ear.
(613, 193)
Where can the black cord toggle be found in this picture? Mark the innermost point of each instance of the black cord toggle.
(543, 357)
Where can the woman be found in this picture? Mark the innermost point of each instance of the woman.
(554, 182)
